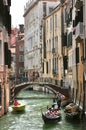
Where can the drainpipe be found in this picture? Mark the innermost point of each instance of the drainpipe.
(53, 47)
(84, 57)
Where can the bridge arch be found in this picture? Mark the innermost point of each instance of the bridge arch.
(52, 87)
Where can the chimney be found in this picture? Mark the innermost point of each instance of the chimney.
(21, 28)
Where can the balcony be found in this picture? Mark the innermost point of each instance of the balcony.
(78, 4)
(79, 35)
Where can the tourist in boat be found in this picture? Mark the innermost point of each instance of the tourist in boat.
(16, 103)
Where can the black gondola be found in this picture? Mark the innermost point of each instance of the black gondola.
(72, 111)
(74, 115)
(51, 120)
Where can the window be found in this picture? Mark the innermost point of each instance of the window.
(21, 58)
(47, 67)
(42, 67)
(47, 26)
(47, 48)
(49, 45)
(69, 39)
(51, 24)
(56, 21)
(56, 44)
(77, 55)
(57, 66)
(21, 70)
(44, 9)
(21, 48)
(50, 9)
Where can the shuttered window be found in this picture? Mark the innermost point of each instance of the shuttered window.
(77, 55)
(46, 67)
(21, 58)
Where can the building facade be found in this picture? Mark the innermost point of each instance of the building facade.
(13, 40)
(5, 54)
(17, 49)
(80, 36)
(20, 53)
(67, 61)
(34, 12)
(52, 59)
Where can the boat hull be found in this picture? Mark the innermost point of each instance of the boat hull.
(19, 107)
(72, 115)
(48, 120)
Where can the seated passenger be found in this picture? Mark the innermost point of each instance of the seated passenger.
(16, 103)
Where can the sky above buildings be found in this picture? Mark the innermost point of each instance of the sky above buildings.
(17, 11)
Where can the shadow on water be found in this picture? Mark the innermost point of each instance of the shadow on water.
(18, 112)
(77, 123)
(49, 126)
(72, 120)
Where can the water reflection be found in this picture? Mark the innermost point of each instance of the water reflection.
(18, 112)
(49, 126)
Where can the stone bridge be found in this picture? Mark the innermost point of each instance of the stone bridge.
(50, 86)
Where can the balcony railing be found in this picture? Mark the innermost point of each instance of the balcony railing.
(79, 31)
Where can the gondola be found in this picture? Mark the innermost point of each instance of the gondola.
(72, 111)
(51, 119)
(72, 115)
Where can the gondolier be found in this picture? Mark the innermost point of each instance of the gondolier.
(58, 97)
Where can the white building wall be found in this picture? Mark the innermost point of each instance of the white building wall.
(33, 21)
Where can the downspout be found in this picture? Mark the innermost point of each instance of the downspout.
(84, 58)
(53, 46)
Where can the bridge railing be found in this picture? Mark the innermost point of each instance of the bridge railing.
(48, 80)
(55, 85)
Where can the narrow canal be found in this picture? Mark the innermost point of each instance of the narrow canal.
(31, 119)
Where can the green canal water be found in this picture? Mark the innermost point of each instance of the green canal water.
(31, 118)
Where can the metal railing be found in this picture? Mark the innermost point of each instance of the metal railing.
(45, 80)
